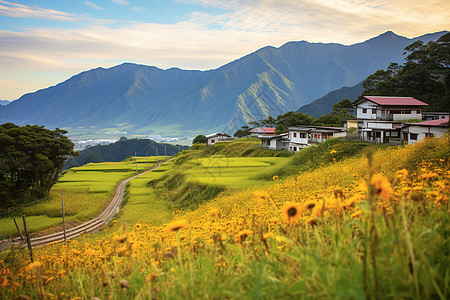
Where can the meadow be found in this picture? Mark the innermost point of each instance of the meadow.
(85, 190)
(372, 226)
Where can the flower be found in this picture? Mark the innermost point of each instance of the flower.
(356, 214)
(138, 227)
(267, 235)
(176, 225)
(275, 177)
(120, 238)
(242, 235)
(382, 186)
(260, 196)
(309, 204)
(213, 212)
(332, 151)
(291, 212)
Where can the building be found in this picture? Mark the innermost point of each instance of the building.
(428, 116)
(380, 118)
(414, 132)
(262, 131)
(275, 142)
(216, 137)
(304, 136)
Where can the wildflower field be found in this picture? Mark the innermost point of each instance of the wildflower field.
(372, 226)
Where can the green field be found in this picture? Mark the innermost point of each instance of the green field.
(85, 190)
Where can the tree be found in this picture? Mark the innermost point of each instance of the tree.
(243, 132)
(425, 75)
(31, 158)
(200, 139)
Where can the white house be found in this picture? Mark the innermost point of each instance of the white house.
(417, 131)
(275, 142)
(304, 136)
(216, 137)
(380, 118)
(383, 108)
(428, 116)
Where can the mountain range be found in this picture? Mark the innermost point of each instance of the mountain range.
(143, 100)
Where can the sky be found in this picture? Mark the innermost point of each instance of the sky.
(44, 42)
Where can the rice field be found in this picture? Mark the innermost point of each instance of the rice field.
(85, 191)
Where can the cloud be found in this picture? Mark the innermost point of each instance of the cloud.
(23, 11)
(121, 2)
(92, 5)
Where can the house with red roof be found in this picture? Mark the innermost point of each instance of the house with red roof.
(262, 131)
(414, 132)
(381, 118)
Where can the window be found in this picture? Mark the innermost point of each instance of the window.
(413, 136)
(364, 110)
(213, 141)
(374, 111)
(429, 135)
(302, 135)
(290, 148)
(408, 112)
(295, 148)
(294, 134)
(418, 111)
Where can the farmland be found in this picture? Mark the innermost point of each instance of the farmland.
(360, 226)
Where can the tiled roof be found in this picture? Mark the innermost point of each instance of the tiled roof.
(439, 122)
(395, 101)
(267, 130)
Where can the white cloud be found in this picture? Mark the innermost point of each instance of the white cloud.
(121, 2)
(92, 5)
(209, 40)
(23, 11)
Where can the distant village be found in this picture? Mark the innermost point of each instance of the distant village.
(379, 119)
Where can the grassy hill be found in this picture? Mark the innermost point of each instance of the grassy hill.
(352, 227)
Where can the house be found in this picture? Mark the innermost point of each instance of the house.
(428, 116)
(275, 142)
(380, 118)
(262, 131)
(417, 131)
(383, 108)
(216, 137)
(304, 136)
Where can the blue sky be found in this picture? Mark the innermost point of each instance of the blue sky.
(44, 42)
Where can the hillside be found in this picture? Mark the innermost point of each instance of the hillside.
(324, 105)
(144, 100)
(360, 226)
(121, 150)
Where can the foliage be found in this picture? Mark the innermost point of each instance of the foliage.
(354, 229)
(31, 158)
(121, 150)
(243, 132)
(425, 75)
(200, 139)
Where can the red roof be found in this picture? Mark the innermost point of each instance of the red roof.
(393, 101)
(267, 130)
(438, 122)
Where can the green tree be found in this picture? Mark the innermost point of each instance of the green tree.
(292, 119)
(243, 132)
(200, 139)
(31, 158)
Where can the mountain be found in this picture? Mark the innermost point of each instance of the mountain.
(324, 105)
(121, 150)
(4, 102)
(146, 100)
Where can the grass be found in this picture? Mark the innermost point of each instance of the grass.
(86, 190)
(359, 228)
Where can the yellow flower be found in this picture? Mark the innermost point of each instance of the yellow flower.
(120, 238)
(176, 225)
(349, 202)
(137, 227)
(402, 174)
(213, 212)
(291, 212)
(382, 186)
(242, 235)
(275, 177)
(356, 214)
(267, 235)
(260, 196)
(333, 151)
(309, 204)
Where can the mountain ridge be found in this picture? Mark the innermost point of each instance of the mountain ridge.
(145, 99)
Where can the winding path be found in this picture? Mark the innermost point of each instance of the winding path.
(89, 226)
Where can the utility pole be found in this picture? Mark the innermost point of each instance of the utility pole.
(135, 159)
(64, 215)
(146, 163)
